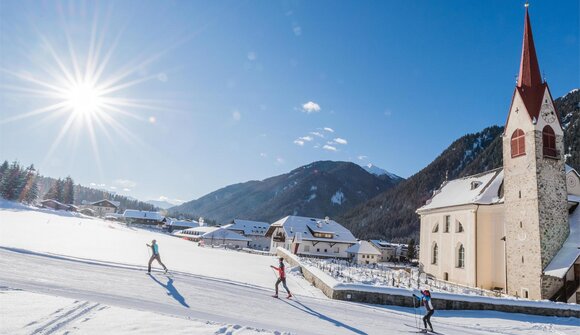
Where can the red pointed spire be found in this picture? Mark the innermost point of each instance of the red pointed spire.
(530, 84)
(529, 69)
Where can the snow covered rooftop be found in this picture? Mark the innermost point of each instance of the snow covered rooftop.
(249, 227)
(306, 226)
(136, 214)
(363, 247)
(570, 251)
(182, 223)
(218, 233)
(481, 188)
(385, 244)
(104, 202)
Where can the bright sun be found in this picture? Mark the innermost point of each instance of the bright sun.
(83, 98)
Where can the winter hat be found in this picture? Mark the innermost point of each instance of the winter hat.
(427, 293)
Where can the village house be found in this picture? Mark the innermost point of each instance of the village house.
(306, 236)
(53, 204)
(215, 236)
(363, 252)
(103, 207)
(143, 217)
(254, 230)
(514, 228)
(173, 224)
(391, 252)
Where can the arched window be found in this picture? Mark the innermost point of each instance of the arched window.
(434, 255)
(436, 228)
(518, 143)
(549, 142)
(459, 227)
(460, 256)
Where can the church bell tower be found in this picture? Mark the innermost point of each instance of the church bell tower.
(536, 217)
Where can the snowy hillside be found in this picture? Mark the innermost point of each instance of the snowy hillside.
(66, 274)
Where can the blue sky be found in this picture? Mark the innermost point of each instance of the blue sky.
(219, 92)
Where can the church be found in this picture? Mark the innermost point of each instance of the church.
(515, 228)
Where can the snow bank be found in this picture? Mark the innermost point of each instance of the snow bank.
(81, 237)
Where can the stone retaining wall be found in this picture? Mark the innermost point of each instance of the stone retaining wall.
(442, 303)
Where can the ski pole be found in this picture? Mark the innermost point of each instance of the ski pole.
(415, 312)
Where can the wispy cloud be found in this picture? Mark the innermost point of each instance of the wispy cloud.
(280, 160)
(126, 190)
(306, 138)
(297, 30)
(252, 56)
(311, 107)
(340, 141)
(263, 154)
(236, 115)
(299, 142)
(330, 130)
(315, 133)
(362, 157)
(329, 148)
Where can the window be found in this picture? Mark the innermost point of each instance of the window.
(525, 293)
(317, 249)
(436, 228)
(460, 256)
(446, 276)
(518, 143)
(447, 223)
(459, 227)
(325, 250)
(434, 253)
(337, 250)
(549, 142)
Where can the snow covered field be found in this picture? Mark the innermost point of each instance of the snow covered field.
(63, 274)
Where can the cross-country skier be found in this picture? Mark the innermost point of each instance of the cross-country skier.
(155, 255)
(281, 278)
(425, 299)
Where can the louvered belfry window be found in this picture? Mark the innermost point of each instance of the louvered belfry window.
(518, 143)
(549, 142)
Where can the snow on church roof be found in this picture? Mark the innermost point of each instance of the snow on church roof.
(363, 247)
(481, 188)
(570, 250)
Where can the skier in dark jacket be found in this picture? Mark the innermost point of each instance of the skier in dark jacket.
(281, 278)
(425, 299)
(155, 255)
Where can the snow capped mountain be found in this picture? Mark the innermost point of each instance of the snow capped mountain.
(319, 189)
(377, 171)
(163, 204)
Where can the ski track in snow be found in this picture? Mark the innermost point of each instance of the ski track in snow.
(228, 303)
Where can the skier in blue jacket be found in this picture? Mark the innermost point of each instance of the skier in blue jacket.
(425, 299)
(155, 255)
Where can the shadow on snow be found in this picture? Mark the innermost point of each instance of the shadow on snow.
(171, 290)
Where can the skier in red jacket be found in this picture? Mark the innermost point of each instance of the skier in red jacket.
(281, 278)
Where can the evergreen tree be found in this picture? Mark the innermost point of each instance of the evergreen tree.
(30, 191)
(411, 250)
(10, 185)
(3, 169)
(53, 191)
(68, 191)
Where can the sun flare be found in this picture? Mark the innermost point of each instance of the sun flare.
(83, 98)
